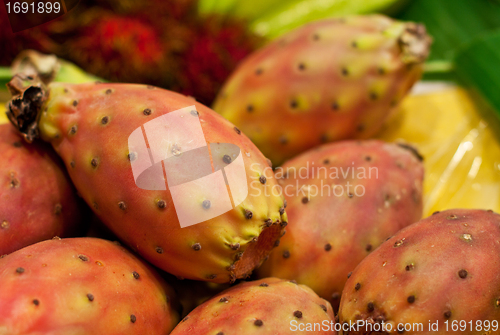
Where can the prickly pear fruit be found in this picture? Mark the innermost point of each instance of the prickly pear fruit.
(329, 80)
(266, 306)
(37, 199)
(82, 286)
(89, 125)
(344, 199)
(437, 276)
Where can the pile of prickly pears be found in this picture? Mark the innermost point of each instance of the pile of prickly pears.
(131, 209)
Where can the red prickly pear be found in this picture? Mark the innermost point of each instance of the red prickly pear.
(37, 199)
(82, 286)
(268, 306)
(326, 81)
(344, 199)
(91, 127)
(437, 276)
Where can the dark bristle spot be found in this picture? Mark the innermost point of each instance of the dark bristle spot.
(297, 314)
(262, 179)
(368, 247)
(133, 319)
(83, 258)
(132, 156)
(147, 111)
(250, 108)
(370, 307)
(20, 270)
(305, 200)
(248, 214)
(105, 120)
(283, 139)
(159, 250)
(122, 205)
(227, 159)
(90, 297)
(294, 104)
(447, 314)
(237, 131)
(75, 103)
(411, 299)
(196, 246)
(108, 91)
(328, 247)
(36, 302)
(264, 285)
(259, 71)
(302, 66)
(57, 209)
(335, 106)
(323, 307)
(357, 286)
(349, 275)
(161, 204)
(258, 323)
(286, 254)
(223, 299)
(335, 296)
(94, 162)
(195, 113)
(136, 275)
(206, 204)
(462, 274)
(345, 72)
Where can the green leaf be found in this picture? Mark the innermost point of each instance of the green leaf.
(215, 6)
(478, 66)
(453, 23)
(295, 13)
(5, 77)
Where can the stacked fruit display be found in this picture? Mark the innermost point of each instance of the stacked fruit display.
(329, 217)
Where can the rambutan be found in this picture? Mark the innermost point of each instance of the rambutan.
(117, 48)
(214, 52)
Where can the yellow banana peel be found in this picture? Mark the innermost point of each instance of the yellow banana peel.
(460, 147)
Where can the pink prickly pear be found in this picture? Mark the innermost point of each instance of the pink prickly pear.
(268, 306)
(37, 199)
(437, 276)
(91, 127)
(326, 81)
(82, 286)
(344, 199)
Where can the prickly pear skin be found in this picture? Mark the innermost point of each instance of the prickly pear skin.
(268, 306)
(37, 199)
(442, 268)
(89, 126)
(82, 286)
(330, 233)
(326, 81)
